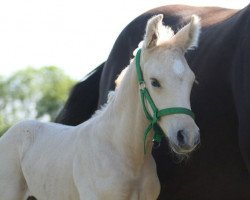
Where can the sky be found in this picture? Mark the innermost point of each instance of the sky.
(75, 35)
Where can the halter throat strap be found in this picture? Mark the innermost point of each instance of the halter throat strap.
(157, 114)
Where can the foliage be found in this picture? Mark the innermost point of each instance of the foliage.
(32, 93)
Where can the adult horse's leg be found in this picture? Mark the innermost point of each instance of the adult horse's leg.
(82, 102)
(241, 89)
(31, 198)
(12, 182)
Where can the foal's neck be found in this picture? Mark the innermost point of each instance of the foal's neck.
(130, 119)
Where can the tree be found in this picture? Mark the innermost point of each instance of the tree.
(33, 93)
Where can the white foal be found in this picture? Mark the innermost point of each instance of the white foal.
(104, 157)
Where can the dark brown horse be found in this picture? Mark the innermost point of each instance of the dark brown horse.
(220, 168)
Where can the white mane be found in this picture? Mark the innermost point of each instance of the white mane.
(112, 94)
(111, 98)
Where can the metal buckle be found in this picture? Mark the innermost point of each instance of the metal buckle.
(142, 85)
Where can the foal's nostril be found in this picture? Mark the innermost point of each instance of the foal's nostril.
(180, 137)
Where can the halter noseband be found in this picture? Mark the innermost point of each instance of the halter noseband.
(158, 133)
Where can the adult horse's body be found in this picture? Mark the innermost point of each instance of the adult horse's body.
(109, 156)
(221, 101)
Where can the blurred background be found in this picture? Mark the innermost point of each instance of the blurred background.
(47, 46)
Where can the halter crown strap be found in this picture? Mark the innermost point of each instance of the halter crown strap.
(145, 96)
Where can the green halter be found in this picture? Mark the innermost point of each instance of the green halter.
(158, 133)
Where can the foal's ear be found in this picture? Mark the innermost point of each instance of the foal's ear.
(152, 31)
(188, 36)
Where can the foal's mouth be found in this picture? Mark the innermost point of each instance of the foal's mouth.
(181, 150)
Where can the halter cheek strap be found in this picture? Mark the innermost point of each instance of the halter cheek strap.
(157, 114)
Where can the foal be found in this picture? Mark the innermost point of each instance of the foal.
(109, 156)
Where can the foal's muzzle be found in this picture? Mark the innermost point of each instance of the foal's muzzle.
(185, 141)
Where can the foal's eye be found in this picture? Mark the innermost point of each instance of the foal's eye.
(155, 83)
